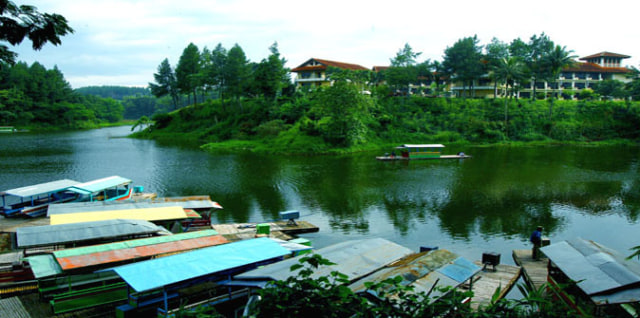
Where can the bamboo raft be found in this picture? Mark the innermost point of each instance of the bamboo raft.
(534, 271)
(488, 280)
(279, 229)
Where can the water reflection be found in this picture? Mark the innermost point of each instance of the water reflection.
(498, 196)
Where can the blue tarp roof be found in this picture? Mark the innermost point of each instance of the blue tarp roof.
(99, 184)
(42, 188)
(156, 273)
(602, 273)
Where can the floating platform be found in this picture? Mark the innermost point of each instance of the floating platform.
(534, 271)
(279, 229)
(394, 158)
(488, 280)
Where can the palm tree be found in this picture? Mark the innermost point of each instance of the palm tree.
(508, 71)
(557, 60)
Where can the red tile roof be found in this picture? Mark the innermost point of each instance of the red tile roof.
(327, 63)
(380, 68)
(595, 68)
(606, 54)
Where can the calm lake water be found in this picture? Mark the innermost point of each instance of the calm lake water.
(491, 202)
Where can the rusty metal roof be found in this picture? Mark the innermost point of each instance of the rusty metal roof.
(142, 248)
(602, 273)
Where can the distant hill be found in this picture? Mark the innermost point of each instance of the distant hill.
(115, 92)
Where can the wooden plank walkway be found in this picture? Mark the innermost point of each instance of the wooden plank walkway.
(279, 229)
(487, 281)
(534, 272)
(12, 308)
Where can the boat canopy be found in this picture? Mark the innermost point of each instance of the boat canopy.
(353, 258)
(42, 188)
(418, 146)
(601, 273)
(100, 206)
(148, 214)
(32, 236)
(160, 272)
(99, 185)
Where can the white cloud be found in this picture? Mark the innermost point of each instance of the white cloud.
(123, 42)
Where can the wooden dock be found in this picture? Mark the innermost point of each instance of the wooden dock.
(12, 308)
(278, 229)
(487, 281)
(534, 272)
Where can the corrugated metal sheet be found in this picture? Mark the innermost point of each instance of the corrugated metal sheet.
(44, 266)
(156, 273)
(150, 214)
(99, 206)
(599, 270)
(119, 255)
(33, 236)
(42, 188)
(99, 184)
(353, 258)
(132, 243)
(192, 202)
(423, 271)
(292, 246)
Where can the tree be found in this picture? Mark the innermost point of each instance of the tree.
(270, 75)
(464, 60)
(509, 71)
(610, 89)
(236, 72)
(537, 59)
(166, 83)
(496, 52)
(345, 110)
(18, 22)
(557, 60)
(188, 70)
(403, 71)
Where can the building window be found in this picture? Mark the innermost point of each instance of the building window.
(566, 85)
(580, 85)
(567, 75)
(581, 76)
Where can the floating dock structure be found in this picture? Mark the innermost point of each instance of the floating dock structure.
(489, 279)
(279, 229)
(534, 271)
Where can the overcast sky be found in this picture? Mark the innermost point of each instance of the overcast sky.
(118, 42)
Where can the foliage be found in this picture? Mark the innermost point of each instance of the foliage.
(304, 294)
(115, 92)
(32, 96)
(187, 72)
(463, 60)
(18, 22)
(166, 83)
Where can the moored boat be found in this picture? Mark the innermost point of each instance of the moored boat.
(34, 200)
(420, 151)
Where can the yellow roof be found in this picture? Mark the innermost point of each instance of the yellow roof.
(150, 214)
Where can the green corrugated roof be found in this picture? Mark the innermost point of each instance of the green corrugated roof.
(132, 243)
(44, 265)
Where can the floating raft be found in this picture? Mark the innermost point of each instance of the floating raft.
(534, 271)
(279, 229)
(12, 307)
(392, 158)
(487, 281)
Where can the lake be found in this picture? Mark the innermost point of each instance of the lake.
(490, 202)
